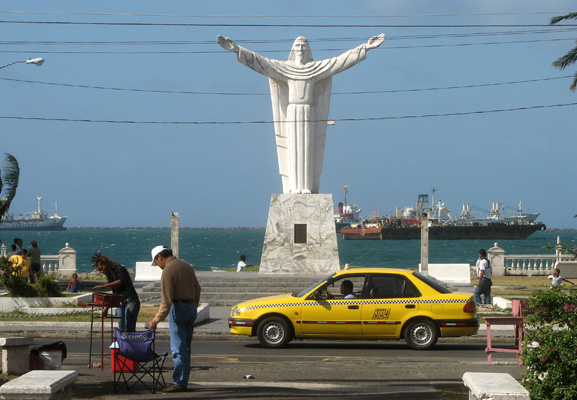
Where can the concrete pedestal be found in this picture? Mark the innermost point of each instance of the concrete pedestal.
(300, 236)
(15, 355)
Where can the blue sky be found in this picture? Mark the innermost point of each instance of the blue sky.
(217, 172)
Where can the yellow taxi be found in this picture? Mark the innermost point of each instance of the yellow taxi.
(364, 303)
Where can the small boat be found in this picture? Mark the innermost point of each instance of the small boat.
(37, 220)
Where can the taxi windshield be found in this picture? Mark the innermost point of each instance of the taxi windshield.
(301, 294)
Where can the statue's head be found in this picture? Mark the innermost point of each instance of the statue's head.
(301, 51)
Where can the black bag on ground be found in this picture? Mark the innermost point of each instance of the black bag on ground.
(35, 360)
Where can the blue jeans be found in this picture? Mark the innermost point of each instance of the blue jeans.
(128, 315)
(181, 323)
(483, 289)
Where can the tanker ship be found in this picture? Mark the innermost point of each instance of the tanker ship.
(405, 224)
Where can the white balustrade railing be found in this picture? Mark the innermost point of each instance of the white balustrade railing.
(534, 264)
(50, 264)
(526, 264)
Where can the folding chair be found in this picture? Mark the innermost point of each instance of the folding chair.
(136, 360)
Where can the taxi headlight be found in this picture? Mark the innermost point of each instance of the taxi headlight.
(235, 312)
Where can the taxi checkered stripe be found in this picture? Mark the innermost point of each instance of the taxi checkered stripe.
(355, 302)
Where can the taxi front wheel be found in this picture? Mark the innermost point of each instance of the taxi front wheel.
(421, 334)
(273, 332)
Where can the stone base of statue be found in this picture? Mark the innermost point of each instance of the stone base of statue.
(301, 236)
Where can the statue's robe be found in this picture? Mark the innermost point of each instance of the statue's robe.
(300, 97)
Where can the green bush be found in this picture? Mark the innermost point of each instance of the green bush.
(48, 287)
(550, 346)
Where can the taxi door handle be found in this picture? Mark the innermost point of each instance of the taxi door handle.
(410, 306)
(353, 307)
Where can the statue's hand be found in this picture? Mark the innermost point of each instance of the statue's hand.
(227, 43)
(376, 41)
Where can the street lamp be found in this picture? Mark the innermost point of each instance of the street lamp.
(35, 61)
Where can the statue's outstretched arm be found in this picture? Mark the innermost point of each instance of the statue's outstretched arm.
(375, 41)
(227, 43)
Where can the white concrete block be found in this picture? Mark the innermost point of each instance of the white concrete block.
(146, 272)
(40, 385)
(8, 304)
(202, 313)
(456, 274)
(494, 386)
(502, 303)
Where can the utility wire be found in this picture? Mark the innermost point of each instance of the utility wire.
(276, 25)
(267, 94)
(284, 16)
(272, 122)
(278, 41)
(283, 51)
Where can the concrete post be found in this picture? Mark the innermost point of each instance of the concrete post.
(174, 233)
(3, 250)
(496, 256)
(66, 261)
(558, 249)
(424, 267)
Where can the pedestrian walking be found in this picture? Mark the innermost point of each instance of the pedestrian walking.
(484, 272)
(180, 298)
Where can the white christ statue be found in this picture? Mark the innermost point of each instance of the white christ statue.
(300, 90)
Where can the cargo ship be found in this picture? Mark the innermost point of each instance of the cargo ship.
(406, 224)
(37, 220)
(347, 214)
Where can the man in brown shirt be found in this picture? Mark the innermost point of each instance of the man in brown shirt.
(180, 298)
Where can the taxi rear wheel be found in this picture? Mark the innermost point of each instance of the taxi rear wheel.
(273, 332)
(421, 334)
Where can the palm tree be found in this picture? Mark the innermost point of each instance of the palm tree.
(8, 183)
(571, 56)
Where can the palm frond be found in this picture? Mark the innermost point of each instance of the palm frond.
(9, 184)
(574, 84)
(560, 18)
(566, 60)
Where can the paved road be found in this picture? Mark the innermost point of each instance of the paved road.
(310, 369)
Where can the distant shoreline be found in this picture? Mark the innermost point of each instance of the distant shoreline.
(146, 228)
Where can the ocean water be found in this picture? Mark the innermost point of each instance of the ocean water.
(220, 249)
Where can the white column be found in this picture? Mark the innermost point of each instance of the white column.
(424, 244)
(174, 239)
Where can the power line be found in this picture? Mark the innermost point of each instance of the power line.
(276, 25)
(136, 90)
(283, 51)
(284, 16)
(278, 41)
(267, 94)
(272, 122)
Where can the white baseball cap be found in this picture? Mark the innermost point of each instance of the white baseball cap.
(155, 252)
